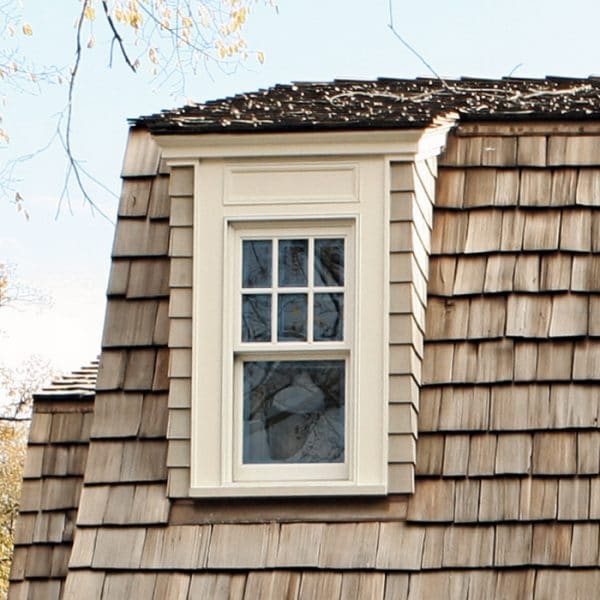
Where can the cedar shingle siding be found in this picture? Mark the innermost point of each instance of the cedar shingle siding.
(507, 490)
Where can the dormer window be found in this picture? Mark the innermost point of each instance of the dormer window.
(289, 374)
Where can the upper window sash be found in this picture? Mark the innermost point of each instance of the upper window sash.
(266, 295)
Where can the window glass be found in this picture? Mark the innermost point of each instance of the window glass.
(256, 318)
(299, 314)
(329, 262)
(257, 263)
(292, 315)
(293, 260)
(328, 317)
(293, 411)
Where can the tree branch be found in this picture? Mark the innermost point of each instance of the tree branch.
(412, 49)
(74, 168)
(117, 37)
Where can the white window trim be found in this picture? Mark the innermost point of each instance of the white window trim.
(212, 472)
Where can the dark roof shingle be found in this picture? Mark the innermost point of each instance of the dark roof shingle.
(382, 104)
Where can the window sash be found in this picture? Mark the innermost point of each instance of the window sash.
(310, 350)
(292, 471)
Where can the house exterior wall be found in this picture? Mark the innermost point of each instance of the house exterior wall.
(507, 493)
(53, 477)
(412, 196)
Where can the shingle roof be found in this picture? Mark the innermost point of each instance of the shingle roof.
(382, 104)
(81, 382)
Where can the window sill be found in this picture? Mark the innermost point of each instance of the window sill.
(293, 489)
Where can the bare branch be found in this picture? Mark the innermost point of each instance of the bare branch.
(117, 37)
(412, 49)
(74, 168)
(514, 69)
(15, 294)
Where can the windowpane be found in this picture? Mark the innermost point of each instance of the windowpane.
(294, 411)
(328, 317)
(329, 262)
(291, 320)
(257, 263)
(293, 259)
(256, 318)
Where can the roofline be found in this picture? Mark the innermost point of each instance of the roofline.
(63, 396)
(407, 142)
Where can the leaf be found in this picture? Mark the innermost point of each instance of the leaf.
(261, 57)
(27, 30)
(90, 12)
(91, 42)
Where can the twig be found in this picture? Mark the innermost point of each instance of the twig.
(515, 68)
(412, 49)
(74, 168)
(116, 37)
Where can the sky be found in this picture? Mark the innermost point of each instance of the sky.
(64, 248)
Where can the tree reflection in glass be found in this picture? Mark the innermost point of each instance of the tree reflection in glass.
(256, 318)
(329, 262)
(294, 411)
(328, 317)
(291, 319)
(293, 259)
(257, 263)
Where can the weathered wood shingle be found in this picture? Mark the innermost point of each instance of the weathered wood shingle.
(494, 354)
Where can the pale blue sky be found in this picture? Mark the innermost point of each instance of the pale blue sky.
(308, 40)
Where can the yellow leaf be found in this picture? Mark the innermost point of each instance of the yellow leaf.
(90, 12)
(27, 30)
(261, 57)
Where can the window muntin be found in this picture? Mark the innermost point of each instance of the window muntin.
(307, 302)
(293, 356)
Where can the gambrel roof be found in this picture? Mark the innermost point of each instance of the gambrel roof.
(499, 307)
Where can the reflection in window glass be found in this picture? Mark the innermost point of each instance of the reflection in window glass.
(329, 262)
(293, 260)
(293, 411)
(328, 317)
(256, 263)
(292, 314)
(256, 318)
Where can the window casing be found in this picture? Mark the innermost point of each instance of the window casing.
(233, 206)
